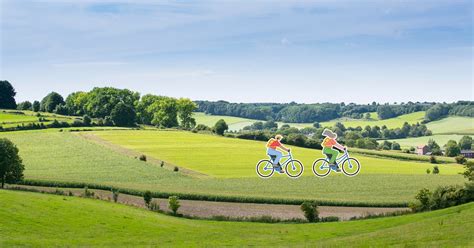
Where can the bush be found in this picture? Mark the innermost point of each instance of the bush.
(162, 163)
(147, 197)
(87, 193)
(154, 206)
(428, 171)
(310, 210)
(460, 159)
(435, 169)
(87, 120)
(176, 169)
(115, 194)
(329, 219)
(433, 160)
(142, 158)
(173, 204)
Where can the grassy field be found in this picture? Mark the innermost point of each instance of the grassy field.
(67, 157)
(452, 125)
(33, 219)
(441, 139)
(12, 118)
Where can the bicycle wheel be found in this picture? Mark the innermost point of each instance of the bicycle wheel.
(265, 168)
(321, 167)
(351, 167)
(294, 168)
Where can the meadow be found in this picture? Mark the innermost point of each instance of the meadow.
(234, 123)
(13, 118)
(51, 220)
(441, 139)
(452, 125)
(66, 157)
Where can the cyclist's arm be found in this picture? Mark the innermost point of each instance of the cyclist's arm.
(284, 148)
(339, 146)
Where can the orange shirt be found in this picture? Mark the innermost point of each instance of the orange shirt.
(273, 143)
(328, 142)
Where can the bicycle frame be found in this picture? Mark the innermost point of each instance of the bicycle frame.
(288, 157)
(339, 160)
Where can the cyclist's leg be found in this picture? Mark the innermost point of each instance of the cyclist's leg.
(277, 154)
(332, 154)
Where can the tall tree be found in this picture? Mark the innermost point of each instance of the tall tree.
(51, 101)
(186, 108)
(165, 113)
(452, 149)
(11, 166)
(7, 95)
(123, 115)
(220, 127)
(465, 142)
(36, 106)
(26, 105)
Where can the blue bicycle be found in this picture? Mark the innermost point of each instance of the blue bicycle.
(293, 167)
(350, 166)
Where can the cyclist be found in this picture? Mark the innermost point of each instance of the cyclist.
(272, 146)
(328, 145)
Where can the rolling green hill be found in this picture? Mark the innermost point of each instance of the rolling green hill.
(234, 123)
(33, 219)
(67, 157)
(452, 125)
(441, 139)
(13, 118)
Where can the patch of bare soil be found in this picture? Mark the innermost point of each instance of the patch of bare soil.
(230, 209)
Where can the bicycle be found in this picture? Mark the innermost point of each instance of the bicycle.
(265, 167)
(350, 166)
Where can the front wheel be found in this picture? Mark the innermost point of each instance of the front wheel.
(351, 167)
(321, 167)
(294, 168)
(265, 168)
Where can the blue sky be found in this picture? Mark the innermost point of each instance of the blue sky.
(242, 51)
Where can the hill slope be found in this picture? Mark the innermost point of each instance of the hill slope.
(50, 220)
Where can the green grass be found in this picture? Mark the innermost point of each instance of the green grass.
(452, 125)
(67, 157)
(8, 118)
(441, 139)
(40, 220)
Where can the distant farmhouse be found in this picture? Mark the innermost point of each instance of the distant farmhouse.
(467, 153)
(423, 150)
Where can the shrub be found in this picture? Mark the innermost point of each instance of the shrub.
(435, 170)
(329, 219)
(142, 157)
(87, 120)
(147, 197)
(433, 160)
(115, 194)
(162, 163)
(88, 193)
(310, 210)
(428, 171)
(460, 159)
(154, 206)
(173, 204)
(176, 169)
(70, 194)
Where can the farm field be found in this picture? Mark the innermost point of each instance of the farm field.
(50, 220)
(441, 139)
(452, 125)
(67, 157)
(12, 118)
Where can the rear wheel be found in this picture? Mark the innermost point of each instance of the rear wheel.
(321, 167)
(294, 168)
(265, 168)
(351, 167)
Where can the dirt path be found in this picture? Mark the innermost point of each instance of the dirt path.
(230, 209)
(135, 154)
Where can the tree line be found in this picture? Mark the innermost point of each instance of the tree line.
(318, 112)
(112, 106)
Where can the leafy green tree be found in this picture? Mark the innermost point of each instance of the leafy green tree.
(316, 125)
(86, 120)
(101, 101)
(385, 112)
(173, 204)
(270, 125)
(76, 102)
(11, 165)
(396, 146)
(49, 102)
(310, 210)
(147, 197)
(123, 115)
(186, 108)
(367, 116)
(61, 109)
(165, 113)
(7, 95)
(452, 149)
(465, 142)
(220, 127)
(36, 106)
(144, 108)
(436, 112)
(26, 105)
